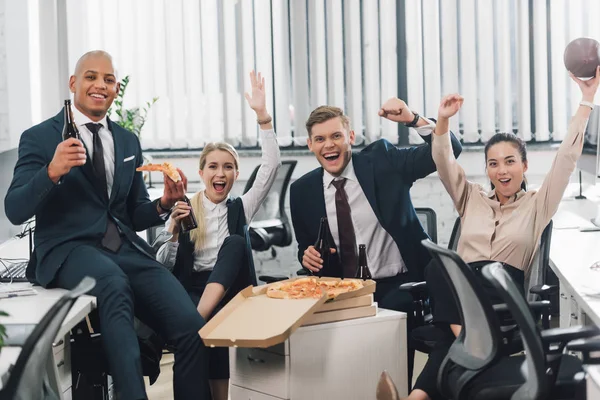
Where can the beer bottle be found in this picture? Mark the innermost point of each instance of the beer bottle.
(69, 128)
(188, 223)
(363, 269)
(322, 244)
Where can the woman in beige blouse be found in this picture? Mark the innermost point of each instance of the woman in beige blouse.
(503, 225)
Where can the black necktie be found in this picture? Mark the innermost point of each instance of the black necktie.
(112, 238)
(345, 230)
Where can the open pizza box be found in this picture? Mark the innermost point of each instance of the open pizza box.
(251, 319)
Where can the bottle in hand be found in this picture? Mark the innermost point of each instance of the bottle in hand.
(363, 271)
(322, 244)
(69, 129)
(188, 223)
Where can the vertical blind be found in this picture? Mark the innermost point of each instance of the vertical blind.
(503, 56)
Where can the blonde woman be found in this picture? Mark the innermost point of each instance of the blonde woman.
(210, 261)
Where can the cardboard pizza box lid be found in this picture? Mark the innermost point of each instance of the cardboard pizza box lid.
(251, 319)
(341, 315)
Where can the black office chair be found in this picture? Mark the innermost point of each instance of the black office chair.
(428, 220)
(28, 378)
(477, 367)
(271, 225)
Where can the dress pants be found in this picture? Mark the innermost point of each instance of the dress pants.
(229, 273)
(129, 282)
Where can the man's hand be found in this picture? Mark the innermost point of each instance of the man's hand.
(173, 190)
(396, 110)
(450, 105)
(312, 260)
(68, 154)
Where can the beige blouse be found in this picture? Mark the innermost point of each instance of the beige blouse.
(507, 233)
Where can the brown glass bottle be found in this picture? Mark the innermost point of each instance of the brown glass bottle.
(188, 223)
(363, 272)
(322, 245)
(69, 128)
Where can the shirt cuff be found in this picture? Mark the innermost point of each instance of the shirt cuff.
(426, 130)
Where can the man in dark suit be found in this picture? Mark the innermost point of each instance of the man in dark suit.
(366, 199)
(88, 201)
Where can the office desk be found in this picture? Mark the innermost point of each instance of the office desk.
(571, 254)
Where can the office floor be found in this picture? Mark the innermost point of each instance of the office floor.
(163, 389)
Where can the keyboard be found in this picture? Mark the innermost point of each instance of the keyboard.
(13, 272)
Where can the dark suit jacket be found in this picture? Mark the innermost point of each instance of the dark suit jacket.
(75, 211)
(386, 175)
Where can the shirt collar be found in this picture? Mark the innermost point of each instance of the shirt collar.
(517, 196)
(82, 119)
(209, 205)
(347, 173)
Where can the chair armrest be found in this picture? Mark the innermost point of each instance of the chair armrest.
(272, 278)
(418, 290)
(543, 290)
(564, 335)
(586, 347)
(303, 272)
(537, 307)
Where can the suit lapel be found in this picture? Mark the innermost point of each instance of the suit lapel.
(363, 168)
(119, 142)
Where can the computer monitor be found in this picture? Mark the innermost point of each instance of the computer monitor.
(589, 161)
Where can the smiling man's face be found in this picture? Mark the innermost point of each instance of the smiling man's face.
(94, 85)
(332, 143)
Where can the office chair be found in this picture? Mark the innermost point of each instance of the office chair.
(477, 366)
(271, 225)
(28, 378)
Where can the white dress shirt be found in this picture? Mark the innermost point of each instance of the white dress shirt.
(216, 214)
(383, 255)
(108, 144)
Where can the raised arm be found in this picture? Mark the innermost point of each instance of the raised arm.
(557, 179)
(415, 162)
(271, 157)
(450, 172)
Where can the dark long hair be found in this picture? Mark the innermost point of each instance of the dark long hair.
(516, 142)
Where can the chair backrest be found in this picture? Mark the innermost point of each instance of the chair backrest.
(455, 235)
(274, 204)
(538, 270)
(534, 366)
(28, 376)
(250, 256)
(479, 340)
(428, 220)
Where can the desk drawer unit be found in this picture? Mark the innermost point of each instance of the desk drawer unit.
(260, 371)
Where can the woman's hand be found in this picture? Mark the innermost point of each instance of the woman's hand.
(257, 100)
(180, 211)
(450, 105)
(588, 87)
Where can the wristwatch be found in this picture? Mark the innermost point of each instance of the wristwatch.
(414, 122)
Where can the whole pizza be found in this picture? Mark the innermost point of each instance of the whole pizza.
(311, 287)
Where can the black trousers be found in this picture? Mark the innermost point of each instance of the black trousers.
(388, 295)
(445, 312)
(129, 283)
(227, 271)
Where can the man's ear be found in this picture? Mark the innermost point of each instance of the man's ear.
(352, 137)
(72, 83)
(309, 143)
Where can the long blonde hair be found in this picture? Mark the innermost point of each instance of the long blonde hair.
(198, 235)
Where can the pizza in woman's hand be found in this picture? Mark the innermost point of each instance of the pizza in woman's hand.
(165, 167)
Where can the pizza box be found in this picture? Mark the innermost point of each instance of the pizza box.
(341, 315)
(251, 319)
(353, 302)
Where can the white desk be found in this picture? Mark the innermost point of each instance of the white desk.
(338, 360)
(571, 254)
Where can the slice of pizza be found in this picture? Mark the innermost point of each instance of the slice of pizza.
(165, 167)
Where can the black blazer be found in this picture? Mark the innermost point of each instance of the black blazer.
(75, 211)
(386, 175)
